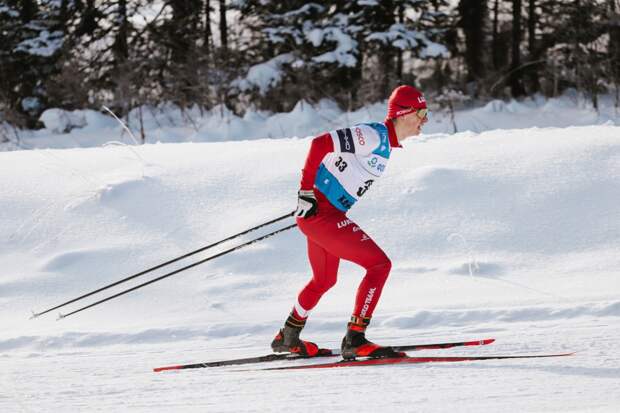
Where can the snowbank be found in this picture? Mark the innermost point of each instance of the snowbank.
(167, 123)
(511, 234)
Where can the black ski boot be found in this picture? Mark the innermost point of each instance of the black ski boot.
(287, 340)
(354, 344)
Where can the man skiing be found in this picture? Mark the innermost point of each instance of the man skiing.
(340, 167)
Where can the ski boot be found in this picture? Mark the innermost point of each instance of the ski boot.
(287, 340)
(355, 344)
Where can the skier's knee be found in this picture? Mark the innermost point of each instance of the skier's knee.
(381, 269)
(322, 285)
(327, 284)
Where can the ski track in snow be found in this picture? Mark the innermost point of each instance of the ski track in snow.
(106, 379)
(510, 234)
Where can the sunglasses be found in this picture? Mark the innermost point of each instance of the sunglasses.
(422, 113)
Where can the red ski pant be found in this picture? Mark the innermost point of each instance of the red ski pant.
(332, 237)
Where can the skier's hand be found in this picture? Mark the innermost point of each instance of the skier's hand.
(307, 205)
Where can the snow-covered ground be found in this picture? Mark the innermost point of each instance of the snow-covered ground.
(511, 234)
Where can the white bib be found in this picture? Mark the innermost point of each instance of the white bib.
(360, 157)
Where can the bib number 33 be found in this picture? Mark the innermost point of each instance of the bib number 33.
(341, 164)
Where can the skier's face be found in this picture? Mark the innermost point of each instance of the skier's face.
(413, 123)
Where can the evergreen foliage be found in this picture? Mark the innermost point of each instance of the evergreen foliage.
(270, 54)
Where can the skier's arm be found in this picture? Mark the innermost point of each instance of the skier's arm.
(321, 146)
(307, 205)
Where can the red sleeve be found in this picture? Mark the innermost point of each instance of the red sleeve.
(321, 146)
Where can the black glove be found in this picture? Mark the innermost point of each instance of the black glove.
(307, 204)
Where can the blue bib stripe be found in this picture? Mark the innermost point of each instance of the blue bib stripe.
(384, 147)
(333, 190)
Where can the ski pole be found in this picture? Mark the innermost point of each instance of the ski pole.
(60, 316)
(131, 277)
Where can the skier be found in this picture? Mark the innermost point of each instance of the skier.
(340, 167)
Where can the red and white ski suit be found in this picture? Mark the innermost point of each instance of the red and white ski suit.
(363, 150)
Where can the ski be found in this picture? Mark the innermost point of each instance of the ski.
(409, 360)
(247, 360)
(416, 347)
(322, 353)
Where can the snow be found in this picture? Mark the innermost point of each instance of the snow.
(8, 10)
(265, 75)
(30, 103)
(344, 53)
(400, 37)
(45, 44)
(504, 230)
(63, 121)
(305, 9)
(433, 49)
(168, 123)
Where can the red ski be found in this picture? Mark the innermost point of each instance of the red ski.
(322, 353)
(410, 360)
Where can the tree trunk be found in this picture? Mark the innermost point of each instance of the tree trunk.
(497, 59)
(614, 47)
(28, 10)
(388, 52)
(182, 36)
(88, 20)
(183, 29)
(516, 74)
(27, 73)
(63, 16)
(473, 15)
(577, 52)
(532, 47)
(399, 55)
(120, 48)
(207, 32)
(223, 25)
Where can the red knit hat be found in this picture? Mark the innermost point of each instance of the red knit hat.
(403, 100)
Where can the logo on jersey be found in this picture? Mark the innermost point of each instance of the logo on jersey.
(374, 163)
(360, 136)
(362, 189)
(344, 223)
(344, 201)
(367, 301)
(346, 140)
